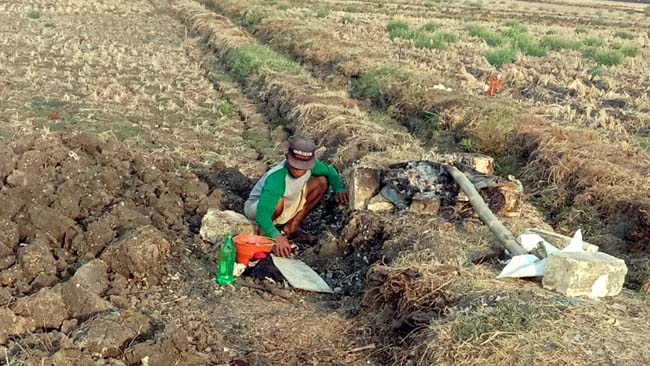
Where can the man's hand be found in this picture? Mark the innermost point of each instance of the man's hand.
(342, 197)
(282, 247)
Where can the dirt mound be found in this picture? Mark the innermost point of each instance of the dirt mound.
(82, 221)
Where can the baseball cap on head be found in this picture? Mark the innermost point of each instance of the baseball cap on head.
(301, 152)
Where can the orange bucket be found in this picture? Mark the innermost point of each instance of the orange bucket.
(247, 245)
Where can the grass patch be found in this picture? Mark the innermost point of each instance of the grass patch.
(429, 42)
(629, 50)
(514, 28)
(259, 139)
(604, 57)
(348, 19)
(489, 37)
(253, 17)
(475, 5)
(42, 105)
(421, 38)
(500, 56)
(593, 42)
(551, 32)
(448, 37)
(34, 14)
(385, 120)
(494, 129)
(396, 26)
(226, 110)
(624, 35)
(373, 85)
(514, 318)
(556, 44)
(324, 10)
(430, 127)
(643, 141)
(282, 6)
(597, 71)
(246, 60)
(431, 26)
(524, 42)
(581, 31)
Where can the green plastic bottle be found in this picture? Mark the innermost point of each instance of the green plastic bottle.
(227, 256)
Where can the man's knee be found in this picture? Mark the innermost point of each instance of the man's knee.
(319, 184)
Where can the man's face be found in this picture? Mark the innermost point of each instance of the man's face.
(296, 173)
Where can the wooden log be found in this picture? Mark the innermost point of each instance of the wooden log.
(485, 214)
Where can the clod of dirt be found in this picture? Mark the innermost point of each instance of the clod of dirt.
(98, 235)
(142, 253)
(5, 263)
(92, 276)
(8, 237)
(231, 181)
(36, 258)
(108, 334)
(81, 293)
(5, 296)
(52, 223)
(12, 324)
(217, 224)
(46, 308)
(67, 357)
(176, 350)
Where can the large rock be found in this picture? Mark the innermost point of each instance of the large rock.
(584, 274)
(46, 308)
(481, 163)
(379, 203)
(364, 184)
(82, 293)
(142, 253)
(36, 258)
(216, 224)
(12, 325)
(106, 335)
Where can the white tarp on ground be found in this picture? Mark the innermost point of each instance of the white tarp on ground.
(300, 275)
(529, 265)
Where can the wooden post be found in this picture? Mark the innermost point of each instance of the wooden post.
(502, 233)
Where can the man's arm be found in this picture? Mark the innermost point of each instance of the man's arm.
(333, 176)
(271, 194)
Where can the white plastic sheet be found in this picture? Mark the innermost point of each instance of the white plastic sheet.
(528, 265)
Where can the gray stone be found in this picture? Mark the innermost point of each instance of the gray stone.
(46, 307)
(364, 184)
(379, 203)
(216, 224)
(584, 274)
